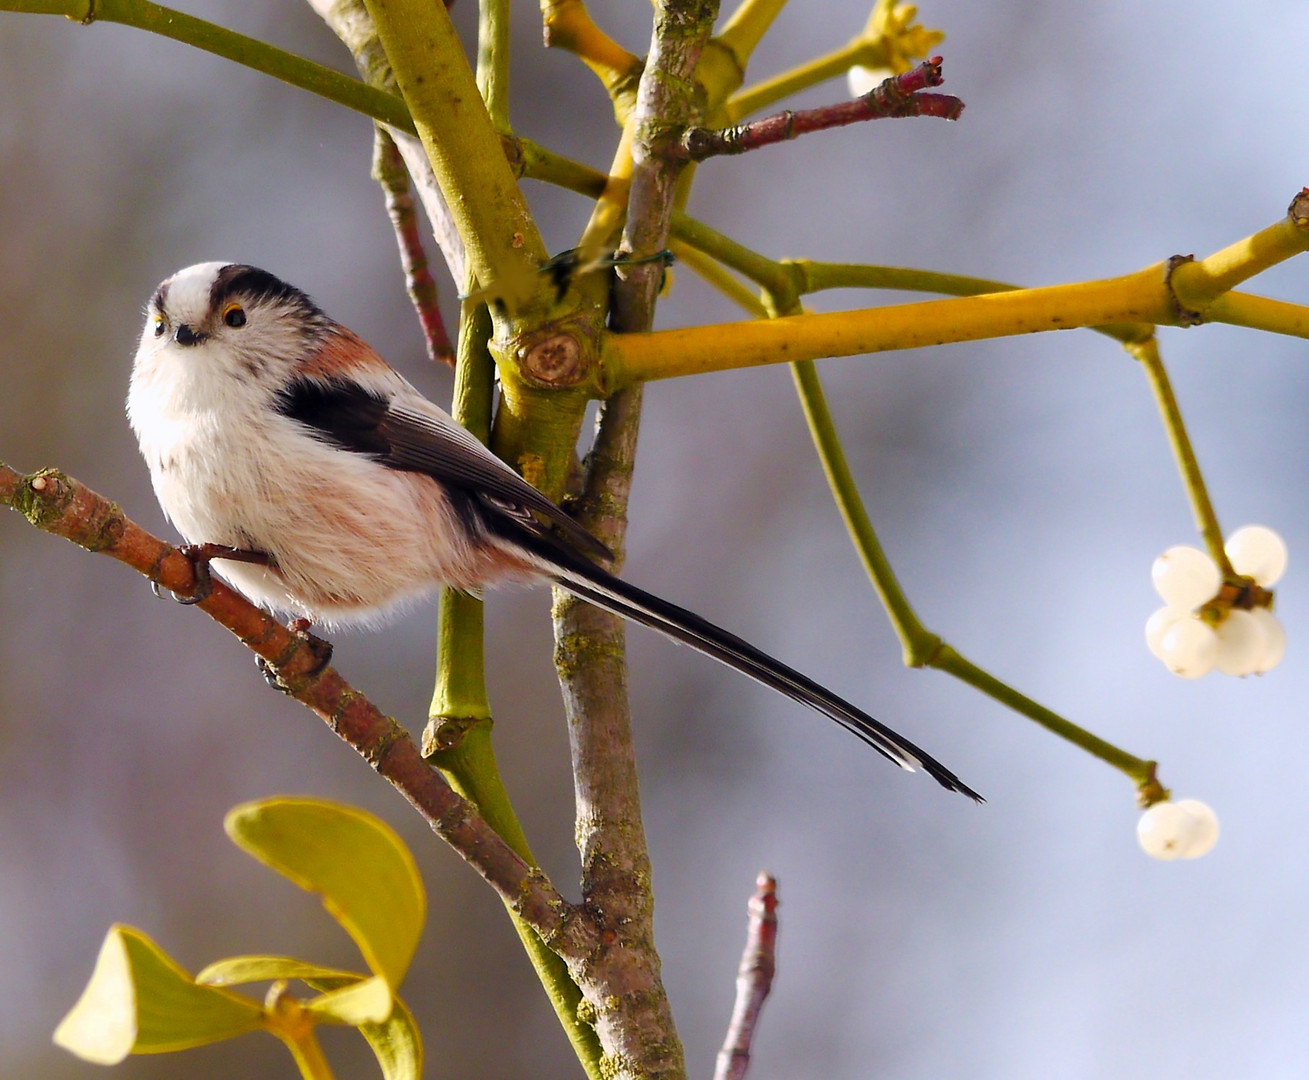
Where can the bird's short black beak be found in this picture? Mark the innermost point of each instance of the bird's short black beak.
(184, 335)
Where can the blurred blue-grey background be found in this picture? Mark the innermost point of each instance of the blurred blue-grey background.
(1021, 487)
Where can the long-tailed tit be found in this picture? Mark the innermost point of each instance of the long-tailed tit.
(272, 430)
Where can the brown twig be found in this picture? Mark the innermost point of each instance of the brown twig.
(390, 172)
(754, 978)
(897, 96)
(58, 504)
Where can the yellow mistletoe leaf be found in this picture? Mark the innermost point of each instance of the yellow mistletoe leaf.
(353, 860)
(366, 1001)
(397, 1044)
(139, 1001)
(235, 970)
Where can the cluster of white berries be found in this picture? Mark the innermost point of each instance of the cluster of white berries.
(1191, 634)
(1185, 829)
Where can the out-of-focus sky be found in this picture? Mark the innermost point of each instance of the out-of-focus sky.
(1021, 487)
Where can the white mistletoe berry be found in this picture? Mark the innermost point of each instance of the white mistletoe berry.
(1256, 551)
(1274, 640)
(1241, 643)
(1158, 624)
(1204, 828)
(1185, 577)
(1189, 648)
(862, 79)
(1185, 829)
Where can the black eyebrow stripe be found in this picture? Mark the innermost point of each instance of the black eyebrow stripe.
(251, 283)
(160, 296)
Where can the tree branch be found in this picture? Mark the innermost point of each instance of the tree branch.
(58, 504)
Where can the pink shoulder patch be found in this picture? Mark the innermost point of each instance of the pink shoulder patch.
(343, 352)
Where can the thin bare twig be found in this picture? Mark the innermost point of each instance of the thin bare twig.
(390, 172)
(754, 979)
(58, 504)
(897, 96)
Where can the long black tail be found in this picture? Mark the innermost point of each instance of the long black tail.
(584, 579)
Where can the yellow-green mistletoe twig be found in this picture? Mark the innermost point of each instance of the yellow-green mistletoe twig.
(1170, 293)
(247, 51)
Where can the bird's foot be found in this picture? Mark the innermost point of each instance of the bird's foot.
(319, 648)
(200, 556)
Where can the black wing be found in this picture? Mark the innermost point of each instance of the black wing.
(365, 421)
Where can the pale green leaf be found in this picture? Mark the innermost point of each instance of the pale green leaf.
(360, 1002)
(236, 970)
(356, 862)
(397, 1044)
(140, 1002)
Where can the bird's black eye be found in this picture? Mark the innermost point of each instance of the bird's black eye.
(234, 315)
(159, 326)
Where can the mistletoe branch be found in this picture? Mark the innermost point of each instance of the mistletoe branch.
(783, 284)
(1177, 292)
(247, 51)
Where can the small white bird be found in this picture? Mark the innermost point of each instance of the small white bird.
(272, 430)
